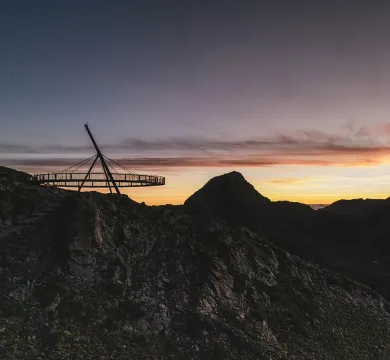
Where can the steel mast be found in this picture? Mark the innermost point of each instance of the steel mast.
(100, 156)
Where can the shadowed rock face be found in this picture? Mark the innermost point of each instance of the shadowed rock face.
(102, 277)
(357, 245)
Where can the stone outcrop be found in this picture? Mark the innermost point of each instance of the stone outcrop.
(102, 277)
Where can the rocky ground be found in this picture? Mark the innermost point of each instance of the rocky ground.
(95, 276)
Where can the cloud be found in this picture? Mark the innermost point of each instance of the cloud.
(161, 163)
(353, 146)
(354, 139)
(285, 181)
(15, 148)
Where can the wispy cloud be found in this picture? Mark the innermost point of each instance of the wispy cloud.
(352, 146)
(16, 148)
(286, 181)
(161, 162)
(350, 139)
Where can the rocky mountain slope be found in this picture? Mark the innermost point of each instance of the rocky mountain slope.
(357, 246)
(102, 277)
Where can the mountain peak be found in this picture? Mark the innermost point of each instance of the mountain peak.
(232, 179)
(230, 196)
(233, 175)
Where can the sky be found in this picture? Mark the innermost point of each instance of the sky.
(294, 95)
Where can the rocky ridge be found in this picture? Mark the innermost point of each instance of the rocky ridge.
(354, 207)
(355, 245)
(100, 276)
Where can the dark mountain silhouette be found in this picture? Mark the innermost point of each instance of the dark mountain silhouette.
(242, 195)
(230, 197)
(239, 203)
(354, 245)
(354, 207)
(12, 175)
(96, 276)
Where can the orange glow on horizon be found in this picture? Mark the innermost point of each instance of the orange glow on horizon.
(304, 184)
(308, 199)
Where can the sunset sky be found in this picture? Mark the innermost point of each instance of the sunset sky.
(294, 95)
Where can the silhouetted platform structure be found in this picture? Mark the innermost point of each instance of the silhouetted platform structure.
(96, 180)
(109, 178)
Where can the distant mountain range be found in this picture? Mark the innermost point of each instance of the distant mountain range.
(355, 207)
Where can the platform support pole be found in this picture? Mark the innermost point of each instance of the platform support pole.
(104, 164)
(89, 171)
(108, 183)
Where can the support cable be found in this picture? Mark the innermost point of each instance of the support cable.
(80, 166)
(121, 166)
(122, 176)
(79, 163)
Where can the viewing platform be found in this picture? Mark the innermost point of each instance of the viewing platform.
(74, 177)
(95, 180)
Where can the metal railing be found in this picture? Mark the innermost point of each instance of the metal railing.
(97, 179)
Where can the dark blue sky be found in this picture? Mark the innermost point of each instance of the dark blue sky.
(198, 77)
